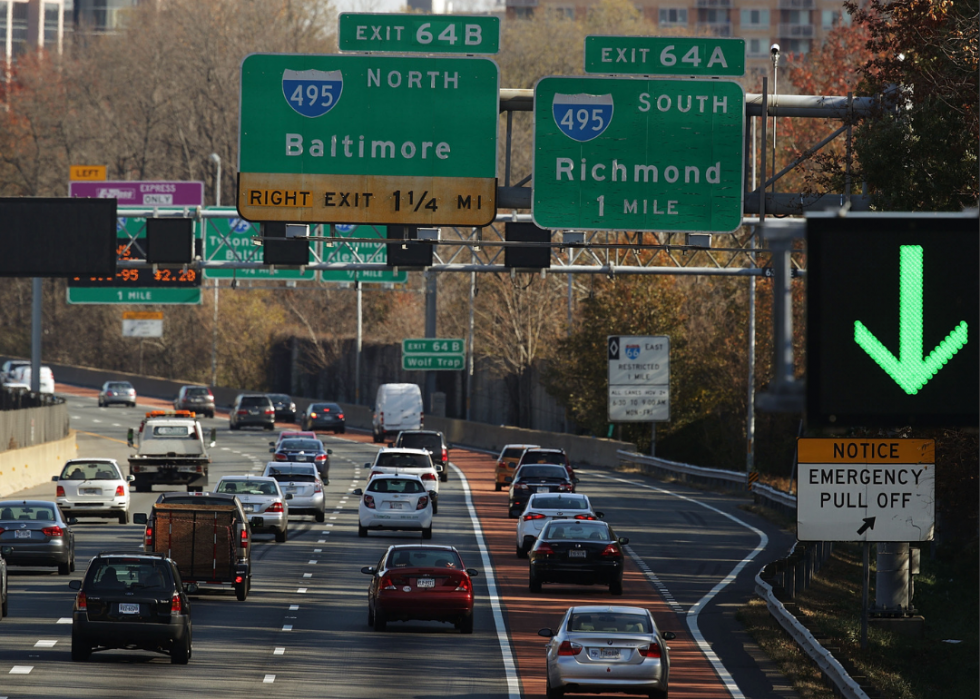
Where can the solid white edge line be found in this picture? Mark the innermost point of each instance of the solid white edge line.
(694, 611)
(506, 652)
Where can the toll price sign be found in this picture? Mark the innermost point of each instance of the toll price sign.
(230, 240)
(866, 490)
(638, 154)
(403, 33)
(665, 55)
(368, 139)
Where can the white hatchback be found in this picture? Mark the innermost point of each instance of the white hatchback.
(395, 502)
(544, 507)
(416, 462)
(93, 488)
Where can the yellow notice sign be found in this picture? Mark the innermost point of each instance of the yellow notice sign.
(866, 451)
(142, 315)
(93, 173)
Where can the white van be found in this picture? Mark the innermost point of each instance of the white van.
(397, 407)
(23, 375)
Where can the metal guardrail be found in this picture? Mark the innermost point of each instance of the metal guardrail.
(688, 472)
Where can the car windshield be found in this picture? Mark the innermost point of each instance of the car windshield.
(552, 502)
(609, 622)
(125, 574)
(91, 471)
(403, 460)
(395, 485)
(543, 457)
(545, 472)
(119, 386)
(174, 431)
(297, 474)
(432, 442)
(197, 392)
(325, 408)
(424, 558)
(245, 487)
(11, 512)
(278, 397)
(301, 444)
(255, 401)
(575, 530)
(513, 453)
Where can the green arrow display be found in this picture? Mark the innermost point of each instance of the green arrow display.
(909, 370)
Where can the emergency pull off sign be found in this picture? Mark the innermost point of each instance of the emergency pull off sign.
(880, 490)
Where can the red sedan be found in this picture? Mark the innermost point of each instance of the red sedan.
(420, 582)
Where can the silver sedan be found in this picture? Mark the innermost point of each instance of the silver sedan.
(607, 649)
(302, 481)
(261, 498)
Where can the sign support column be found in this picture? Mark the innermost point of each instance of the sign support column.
(357, 353)
(37, 299)
(431, 289)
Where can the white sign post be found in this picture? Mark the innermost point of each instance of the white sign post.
(142, 324)
(880, 490)
(639, 378)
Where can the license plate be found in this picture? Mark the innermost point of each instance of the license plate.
(22, 534)
(247, 508)
(395, 505)
(604, 653)
(290, 490)
(576, 554)
(129, 608)
(425, 582)
(541, 490)
(90, 491)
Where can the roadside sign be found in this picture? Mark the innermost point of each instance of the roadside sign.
(881, 490)
(638, 154)
(433, 354)
(368, 139)
(360, 252)
(665, 55)
(87, 172)
(119, 295)
(142, 193)
(142, 324)
(639, 378)
(892, 320)
(230, 240)
(402, 33)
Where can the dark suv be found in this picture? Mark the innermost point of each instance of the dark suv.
(432, 442)
(196, 398)
(131, 600)
(252, 410)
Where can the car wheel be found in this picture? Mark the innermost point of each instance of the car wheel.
(551, 692)
(281, 536)
(320, 516)
(71, 564)
(370, 615)
(361, 531)
(211, 414)
(533, 582)
(520, 551)
(64, 568)
(435, 507)
(380, 623)
(5, 608)
(124, 517)
(269, 428)
(133, 404)
(180, 653)
(496, 486)
(241, 591)
(466, 623)
(80, 648)
(444, 476)
(100, 402)
(232, 426)
(658, 694)
(616, 587)
(427, 533)
(342, 430)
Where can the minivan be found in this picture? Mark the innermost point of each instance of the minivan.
(398, 406)
(23, 374)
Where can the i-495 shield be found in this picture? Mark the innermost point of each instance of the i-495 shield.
(582, 117)
(312, 93)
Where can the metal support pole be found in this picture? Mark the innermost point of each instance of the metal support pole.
(750, 401)
(360, 337)
(37, 299)
(782, 310)
(216, 159)
(510, 124)
(431, 289)
(866, 584)
(653, 439)
(140, 372)
(765, 147)
(569, 329)
(214, 338)
(469, 348)
(847, 159)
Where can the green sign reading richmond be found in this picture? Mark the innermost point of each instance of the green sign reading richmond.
(404, 33)
(638, 154)
(665, 55)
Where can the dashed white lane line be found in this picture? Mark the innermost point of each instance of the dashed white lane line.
(287, 627)
(116, 424)
(64, 620)
(321, 541)
(21, 670)
(269, 679)
(294, 607)
(312, 563)
(652, 577)
(45, 644)
(307, 575)
(279, 651)
(96, 420)
(317, 550)
(301, 590)
(333, 518)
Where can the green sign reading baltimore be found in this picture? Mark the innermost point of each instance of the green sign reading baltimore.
(665, 55)
(405, 33)
(638, 154)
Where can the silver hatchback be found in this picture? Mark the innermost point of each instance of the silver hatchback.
(302, 481)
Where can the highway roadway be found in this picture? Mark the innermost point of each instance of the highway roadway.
(303, 630)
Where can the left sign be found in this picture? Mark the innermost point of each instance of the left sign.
(368, 139)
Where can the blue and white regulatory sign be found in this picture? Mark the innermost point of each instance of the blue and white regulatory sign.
(639, 378)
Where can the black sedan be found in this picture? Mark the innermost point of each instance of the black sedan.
(322, 417)
(285, 407)
(33, 533)
(577, 552)
(302, 450)
(537, 478)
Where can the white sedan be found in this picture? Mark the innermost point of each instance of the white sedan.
(93, 488)
(395, 502)
(417, 462)
(544, 507)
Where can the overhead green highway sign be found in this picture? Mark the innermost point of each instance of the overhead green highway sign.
(360, 252)
(136, 295)
(700, 56)
(638, 154)
(404, 33)
(230, 240)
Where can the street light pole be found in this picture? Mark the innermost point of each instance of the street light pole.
(216, 159)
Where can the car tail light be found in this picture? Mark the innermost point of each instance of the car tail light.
(134, 468)
(2, 530)
(274, 507)
(544, 548)
(584, 517)
(565, 487)
(59, 492)
(239, 579)
(423, 501)
(650, 651)
(313, 416)
(244, 542)
(340, 416)
(375, 473)
(81, 602)
(612, 551)
(176, 607)
(120, 491)
(280, 457)
(320, 457)
(369, 501)
(428, 476)
(148, 540)
(569, 648)
(445, 454)
(421, 419)
(386, 583)
(210, 395)
(532, 515)
(381, 417)
(520, 486)
(53, 531)
(463, 585)
(317, 488)
(270, 411)
(243, 412)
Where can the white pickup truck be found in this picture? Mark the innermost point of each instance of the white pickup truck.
(170, 450)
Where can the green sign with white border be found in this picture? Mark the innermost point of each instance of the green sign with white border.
(360, 252)
(117, 295)
(230, 240)
(404, 33)
(433, 354)
(665, 55)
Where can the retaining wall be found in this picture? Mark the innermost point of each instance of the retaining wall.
(32, 466)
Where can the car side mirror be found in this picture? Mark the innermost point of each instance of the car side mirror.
(391, 445)
(369, 570)
(357, 491)
(55, 478)
(600, 515)
(129, 438)
(472, 572)
(669, 635)
(547, 633)
(6, 550)
(139, 518)
(130, 478)
(191, 588)
(574, 479)
(367, 465)
(214, 436)
(77, 585)
(289, 496)
(624, 540)
(329, 451)
(272, 451)
(511, 464)
(272, 444)
(72, 521)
